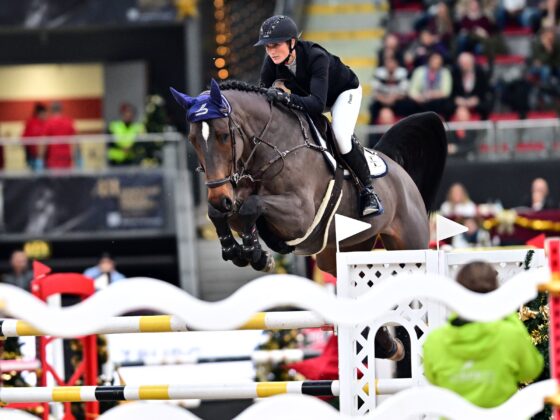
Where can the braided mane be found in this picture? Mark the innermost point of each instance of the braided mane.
(242, 86)
(247, 87)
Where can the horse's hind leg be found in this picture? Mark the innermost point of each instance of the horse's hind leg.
(230, 248)
(249, 212)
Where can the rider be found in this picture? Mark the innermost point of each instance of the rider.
(317, 81)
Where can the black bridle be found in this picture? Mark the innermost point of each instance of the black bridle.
(239, 168)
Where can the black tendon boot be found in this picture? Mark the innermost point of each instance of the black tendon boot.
(369, 201)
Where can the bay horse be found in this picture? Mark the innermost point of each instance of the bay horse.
(266, 176)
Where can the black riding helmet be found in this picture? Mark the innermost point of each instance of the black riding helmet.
(277, 29)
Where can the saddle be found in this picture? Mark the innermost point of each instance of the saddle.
(321, 129)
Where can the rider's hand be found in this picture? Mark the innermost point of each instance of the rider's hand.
(275, 95)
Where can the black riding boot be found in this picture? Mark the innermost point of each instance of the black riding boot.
(369, 201)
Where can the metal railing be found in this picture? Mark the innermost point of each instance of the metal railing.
(493, 140)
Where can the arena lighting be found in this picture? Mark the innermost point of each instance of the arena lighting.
(222, 37)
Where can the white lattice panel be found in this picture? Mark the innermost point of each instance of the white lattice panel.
(359, 272)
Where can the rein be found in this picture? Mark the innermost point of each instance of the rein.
(239, 169)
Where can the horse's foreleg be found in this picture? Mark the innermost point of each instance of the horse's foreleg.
(230, 248)
(249, 212)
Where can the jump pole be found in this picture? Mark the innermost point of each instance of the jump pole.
(219, 391)
(553, 288)
(281, 320)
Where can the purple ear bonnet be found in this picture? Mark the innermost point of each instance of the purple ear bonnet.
(206, 106)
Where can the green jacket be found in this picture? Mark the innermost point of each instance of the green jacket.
(121, 150)
(482, 361)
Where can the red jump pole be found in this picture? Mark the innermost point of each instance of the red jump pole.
(553, 248)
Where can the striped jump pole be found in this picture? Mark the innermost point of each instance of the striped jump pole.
(257, 357)
(221, 391)
(281, 320)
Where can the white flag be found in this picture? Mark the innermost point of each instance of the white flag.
(446, 228)
(346, 227)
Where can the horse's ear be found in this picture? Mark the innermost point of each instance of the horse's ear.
(215, 93)
(184, 100)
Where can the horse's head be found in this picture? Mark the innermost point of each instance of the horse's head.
(210, 134)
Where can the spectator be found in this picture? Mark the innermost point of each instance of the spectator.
(124, 150)
(390, 89)
(461, 142)
(391, 48)
(105, 268)
(59, 155)
(484, 362)
(458, 203)
(524, 13)
(545, 55)
(488, 8)
(431, 85)
(470, 86)
(387, 118)
(420, 50)
(35, 127)
(20, 274)
(438, 21)
(540, 198)
(475, 236)
(476, 32)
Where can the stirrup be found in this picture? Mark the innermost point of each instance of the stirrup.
(370, 204)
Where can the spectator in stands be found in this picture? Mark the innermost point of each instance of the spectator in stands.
(34, 128)
(524, 13)
(124, 150)
(420, 50)
(458, 203)
(438, 21)
(431, 85)
(461, 142)
(391, 48)
(475, 236)
(390, 89)
(477, 32)
(473, 358)
(488, 8)
(470, 86)
(59, 155)
(20, 274)
(387, 118)
(106, 267)
(540, 198)
(545, 55)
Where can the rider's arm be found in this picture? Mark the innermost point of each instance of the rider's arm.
(268, 73)
(315, 102)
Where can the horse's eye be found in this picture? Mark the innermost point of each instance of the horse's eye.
(224, 138)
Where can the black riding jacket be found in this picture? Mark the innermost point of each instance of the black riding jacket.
(320, 77)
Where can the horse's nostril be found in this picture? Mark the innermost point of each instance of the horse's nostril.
(227, 204)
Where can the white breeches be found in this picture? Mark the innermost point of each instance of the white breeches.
(345, 111)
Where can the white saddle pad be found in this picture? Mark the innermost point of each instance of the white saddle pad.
(377, 166)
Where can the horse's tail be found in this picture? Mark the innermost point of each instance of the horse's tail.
(419, 144)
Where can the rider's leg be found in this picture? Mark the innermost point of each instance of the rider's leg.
(345, 113)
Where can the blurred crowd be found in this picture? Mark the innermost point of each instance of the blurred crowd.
(20, 272)
(448, 63)
(49, 144)
(460, 207)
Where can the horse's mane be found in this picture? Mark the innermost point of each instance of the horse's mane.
(248, 87)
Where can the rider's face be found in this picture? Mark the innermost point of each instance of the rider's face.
(278, 51)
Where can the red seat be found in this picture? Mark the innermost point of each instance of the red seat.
(504, 116)
(516, 31)
(541, 115)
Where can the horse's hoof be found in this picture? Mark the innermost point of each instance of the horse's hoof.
(240, 262)
(270, 264)
(399, 353)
